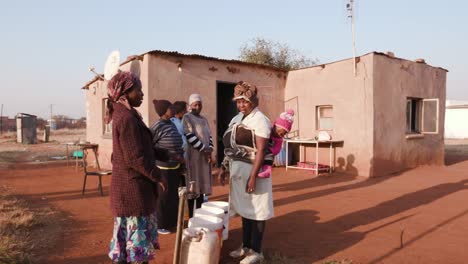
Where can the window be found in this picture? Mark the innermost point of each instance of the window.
(324, 117)
(106, 128)
(422, 116)
(413, 113)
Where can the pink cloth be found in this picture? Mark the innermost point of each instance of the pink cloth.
(277, 144)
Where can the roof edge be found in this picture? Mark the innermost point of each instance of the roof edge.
(202, 57)
(366, 54)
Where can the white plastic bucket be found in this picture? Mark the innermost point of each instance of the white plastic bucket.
(199, 245)
(225, 207)
(212, 223)
(213, 211)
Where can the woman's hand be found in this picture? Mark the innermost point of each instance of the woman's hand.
(250, 188)
(258, 162)
(207, 156)
(222, 176)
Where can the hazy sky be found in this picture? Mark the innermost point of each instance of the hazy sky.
(47, 46)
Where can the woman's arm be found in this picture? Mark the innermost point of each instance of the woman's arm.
(261, 143)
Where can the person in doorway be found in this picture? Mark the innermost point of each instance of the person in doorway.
(250, 196)
(166, 136)
(134, 175)
(180, 109)
(199, 150)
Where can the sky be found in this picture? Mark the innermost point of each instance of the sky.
(46, 47)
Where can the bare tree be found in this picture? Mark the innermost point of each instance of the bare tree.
(267, 52)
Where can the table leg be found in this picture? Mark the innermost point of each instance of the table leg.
(76, 157)
(287, 156)
(300, 152)
(67, 153)
(330, 162)
(316, 158)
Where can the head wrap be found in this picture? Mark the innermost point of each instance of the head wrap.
(116, 89)
(194, 98)
(161, 106)
(246, 91)
(285, 120)
(120, 83)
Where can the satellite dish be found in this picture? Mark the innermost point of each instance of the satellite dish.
(112, 65)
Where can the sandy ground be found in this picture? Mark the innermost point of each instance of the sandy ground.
(316, 218)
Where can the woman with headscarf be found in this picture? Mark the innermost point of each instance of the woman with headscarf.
(250, 197)
(199, 148)
(134, 174)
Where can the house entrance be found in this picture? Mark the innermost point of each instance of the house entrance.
(225, 110)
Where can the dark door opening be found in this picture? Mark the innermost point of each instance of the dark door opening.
(225, 110)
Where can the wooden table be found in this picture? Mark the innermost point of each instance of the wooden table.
(302, 143)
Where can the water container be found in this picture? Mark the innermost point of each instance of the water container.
(199, 246)
(225, 207)
(213, 211)
(210, 222)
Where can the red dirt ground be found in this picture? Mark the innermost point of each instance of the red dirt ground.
(317, 218)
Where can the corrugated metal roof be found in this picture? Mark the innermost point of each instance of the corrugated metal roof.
(202, 57)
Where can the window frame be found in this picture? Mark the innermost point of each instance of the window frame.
(106, 128)
(317, 118)
(420, 116)
(437, 116)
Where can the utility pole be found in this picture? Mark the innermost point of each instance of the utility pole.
(350, 8)
(50, 123)
(1, 121)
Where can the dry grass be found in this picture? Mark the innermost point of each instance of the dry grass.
(20, 228)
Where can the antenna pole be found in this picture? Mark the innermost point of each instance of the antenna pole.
(350, 7)
(50, 123)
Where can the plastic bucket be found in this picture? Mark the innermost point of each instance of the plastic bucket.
(225, 207)
(212, 223)
(213, 211)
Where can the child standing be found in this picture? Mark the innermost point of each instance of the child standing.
(281, 127)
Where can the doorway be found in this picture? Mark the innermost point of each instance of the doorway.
(225, 110)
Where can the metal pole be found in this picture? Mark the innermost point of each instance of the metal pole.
(350, 7)
(50, 113)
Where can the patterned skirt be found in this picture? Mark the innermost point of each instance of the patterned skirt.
(135, 239)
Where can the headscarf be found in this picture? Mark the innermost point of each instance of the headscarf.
(194, 98)
(117, 88)
(246, 91)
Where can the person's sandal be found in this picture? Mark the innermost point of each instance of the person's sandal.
(240, 252)
(252, 257)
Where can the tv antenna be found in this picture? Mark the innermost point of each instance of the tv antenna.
(111, 67)
(350, 8)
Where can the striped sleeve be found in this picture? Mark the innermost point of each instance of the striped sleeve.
(211, 143)
(193, 140)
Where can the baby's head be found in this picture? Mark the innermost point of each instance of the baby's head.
(283, 124)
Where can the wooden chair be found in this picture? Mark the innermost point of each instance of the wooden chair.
(95, 172)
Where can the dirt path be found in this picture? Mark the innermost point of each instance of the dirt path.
(317, 218)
